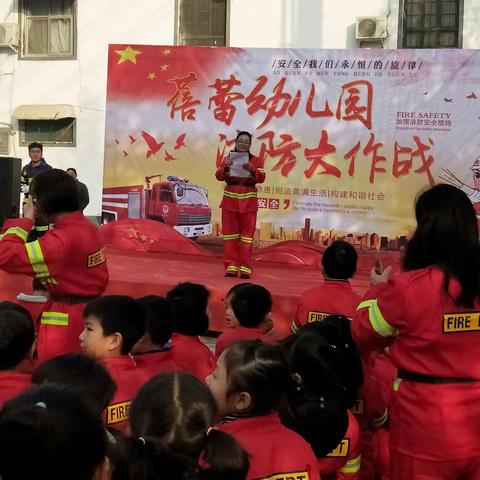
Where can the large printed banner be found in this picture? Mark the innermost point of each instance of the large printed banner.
(349, 137)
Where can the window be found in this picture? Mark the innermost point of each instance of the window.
(202, 22)
(48, 28)
(431, 23)
(49, 132)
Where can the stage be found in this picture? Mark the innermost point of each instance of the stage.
(139, 273)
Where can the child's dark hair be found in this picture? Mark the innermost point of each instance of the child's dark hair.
(258, 369)
(82, 375)
(160, 319)
(326, 357)
(339, 260)
(250, 304)
(49, 432)
(190, 302)
(17, 334)
(171, 422)
(35, 145)
(119, 314)
(55, 191)
(327, 368)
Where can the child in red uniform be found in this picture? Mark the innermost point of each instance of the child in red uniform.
(50, 433)
(17, 339)
(189, 353)
(172, 436)
(69, 260)
(82, 375)
(113, 325)
(249, 306)
(152, 352)
(335, 296)
(326, 366)
(249, 383)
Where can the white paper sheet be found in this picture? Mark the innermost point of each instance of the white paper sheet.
(239, 159)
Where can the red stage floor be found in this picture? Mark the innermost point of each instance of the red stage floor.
(142, 273)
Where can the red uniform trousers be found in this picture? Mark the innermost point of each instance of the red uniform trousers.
(129, 379)
(12, 384)
(70, 262)
(275, 451)
(435, 425)
(238, 334)
(152, 364)
(191, 355)
(344, 462)
(238, 230)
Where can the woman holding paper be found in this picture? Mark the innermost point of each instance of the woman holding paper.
(241, 171)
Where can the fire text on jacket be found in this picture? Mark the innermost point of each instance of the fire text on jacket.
(118, 412)
(461, 322)
(97, 258)
(341, 450)
(316, 316)
(288, 476)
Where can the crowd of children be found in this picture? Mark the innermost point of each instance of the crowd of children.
(137, 395)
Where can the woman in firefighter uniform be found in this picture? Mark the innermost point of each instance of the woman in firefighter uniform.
(429, 316)
(239, 209)
(69, 260)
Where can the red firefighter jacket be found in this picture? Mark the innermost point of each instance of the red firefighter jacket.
(191, 355)
(429, 334)
(12, 384)
(241, 198)
(238, 334)
(129, 379)
(333, 297)
(275, 451)
(70, 261)
(154, 363)
(345, 459)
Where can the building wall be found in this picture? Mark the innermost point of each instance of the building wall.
(82, 82)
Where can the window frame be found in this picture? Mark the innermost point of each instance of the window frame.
(177, 25)
(402, 28)
(24, 33)
(23, 142)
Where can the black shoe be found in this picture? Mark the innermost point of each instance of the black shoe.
(230, 274)
(245, 276)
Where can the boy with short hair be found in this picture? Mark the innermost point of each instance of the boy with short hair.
(83, 375)
(17, 341)
(248, 311)
(190, 304)
(113, 325)
(153, 353)
(335, 295)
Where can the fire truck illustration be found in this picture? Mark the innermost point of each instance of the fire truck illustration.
(175, 201)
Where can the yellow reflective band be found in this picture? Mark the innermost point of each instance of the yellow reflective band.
(234, 236)
(20, 232)
(240, 196)
(352, 466)
(246, 239)
(378, 422)
(396, 384)
(379, 324)
(261, 170)
(35, 256)
(246, 270)
(294, 327)
(41, 228)
(54, 318)
(232, 268)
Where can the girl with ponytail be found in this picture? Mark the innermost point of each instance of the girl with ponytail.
(172, 437)
(326, 368)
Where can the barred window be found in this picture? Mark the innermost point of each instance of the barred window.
(202, 22)
(431, 23)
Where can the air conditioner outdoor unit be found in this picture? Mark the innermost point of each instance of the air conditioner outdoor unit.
(5, 140)
(8, 35)
(371, 28)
